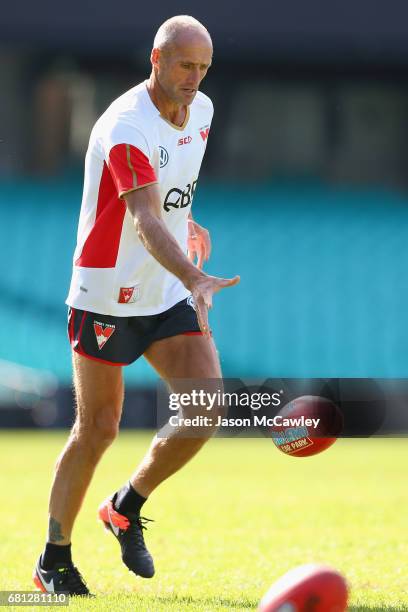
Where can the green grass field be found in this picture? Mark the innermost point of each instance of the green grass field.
(229, 524)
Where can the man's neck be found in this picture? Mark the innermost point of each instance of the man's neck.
(175, 113)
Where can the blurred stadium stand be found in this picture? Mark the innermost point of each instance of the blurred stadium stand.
(304, 186)
(323, 289)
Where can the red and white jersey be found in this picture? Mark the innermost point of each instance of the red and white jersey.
(131, 146)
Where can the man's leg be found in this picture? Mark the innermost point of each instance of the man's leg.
(179, 356)
(99, 399)
(176, 357)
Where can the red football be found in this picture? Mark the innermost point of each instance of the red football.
(306, 426)
(308, 588)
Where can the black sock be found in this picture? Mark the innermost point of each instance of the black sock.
(128, 501)
(54, 553)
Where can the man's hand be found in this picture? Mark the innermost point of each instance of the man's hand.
(199, 243)
(202, 289)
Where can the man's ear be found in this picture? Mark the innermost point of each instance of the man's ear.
(154, 57)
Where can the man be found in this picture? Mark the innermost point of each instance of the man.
(134, 291)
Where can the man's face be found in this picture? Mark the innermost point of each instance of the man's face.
(181, 69)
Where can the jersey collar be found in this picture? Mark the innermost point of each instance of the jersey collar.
(173, 125)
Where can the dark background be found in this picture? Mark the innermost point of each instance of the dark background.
(325, 31)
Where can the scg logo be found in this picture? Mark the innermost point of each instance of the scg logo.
(176, 198)
(185, 140)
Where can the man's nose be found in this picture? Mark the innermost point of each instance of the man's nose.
(195, 76)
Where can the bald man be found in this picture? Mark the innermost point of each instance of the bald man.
(135, 291)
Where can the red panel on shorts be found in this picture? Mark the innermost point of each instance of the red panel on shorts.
(130, 168)
(101, 247)
(71, 326)
(111, 363)
(193, 333)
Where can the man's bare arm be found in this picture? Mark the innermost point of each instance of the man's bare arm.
(145, 208)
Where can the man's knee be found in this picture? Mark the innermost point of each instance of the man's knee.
(98, 430)
(106, 427)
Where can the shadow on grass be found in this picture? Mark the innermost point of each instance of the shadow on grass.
(210, 604)
(228, 604)
(242, 604)
(374, 608)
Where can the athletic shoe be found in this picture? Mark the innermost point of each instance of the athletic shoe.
(64, 578)
(128, 530)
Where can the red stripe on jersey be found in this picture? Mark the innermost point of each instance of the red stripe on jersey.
(102, 245)
(130, 168)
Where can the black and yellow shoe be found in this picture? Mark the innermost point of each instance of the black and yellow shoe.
(64, 578)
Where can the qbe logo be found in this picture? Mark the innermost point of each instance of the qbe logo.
(164, 157)
(179, 198)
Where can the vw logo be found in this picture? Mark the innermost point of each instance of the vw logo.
(164, 157)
